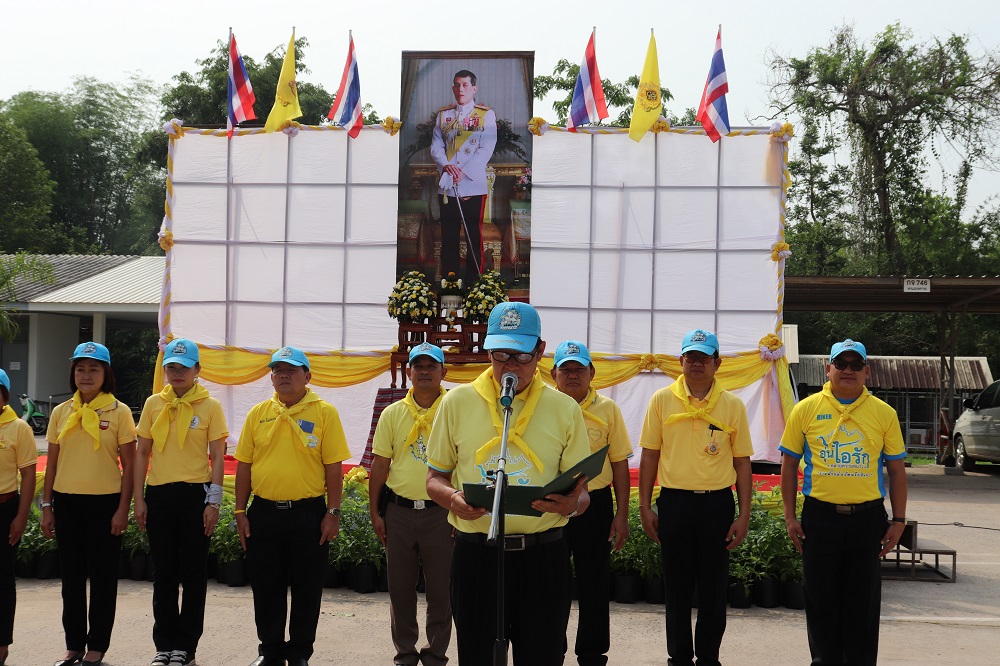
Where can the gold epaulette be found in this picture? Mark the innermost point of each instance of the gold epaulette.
(483, 107)
(445, 108)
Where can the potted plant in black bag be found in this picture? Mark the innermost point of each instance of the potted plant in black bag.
(225, 545)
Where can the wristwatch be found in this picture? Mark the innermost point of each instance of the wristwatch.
(335, 511)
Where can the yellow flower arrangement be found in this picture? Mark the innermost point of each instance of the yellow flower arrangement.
(483, 296)
(412, 299)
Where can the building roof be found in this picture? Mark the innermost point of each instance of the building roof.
(839, 293)
(972, 373)
(134, 282)
(67, 269)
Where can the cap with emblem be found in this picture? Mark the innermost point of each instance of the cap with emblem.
(848, 345)
(4, 380)
(94, 350)
(572, 350)
(427, 349)
(513, 326)
(181, 351)
(700, 341)
(289, 355)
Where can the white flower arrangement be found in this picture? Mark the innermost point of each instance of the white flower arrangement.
(412, 299)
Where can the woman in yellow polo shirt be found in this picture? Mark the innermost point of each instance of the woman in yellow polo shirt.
(180, 428)
(85, 502)
(17, 455)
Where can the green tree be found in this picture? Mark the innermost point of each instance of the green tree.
(883, 104)
(200, 98)
(89, 139)
(26, 195)
(620, 97)
(16, 267)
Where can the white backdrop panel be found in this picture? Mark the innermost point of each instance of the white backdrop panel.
(257, 325)
(747, 281)
(318, 276)
(560, 158)
(623, 218)
(198, 273)
(688, 218)
(316, 214)
(370, 276)
(622, 280)
(199, 212)
(320, 159)
(259, 213)
(622, 329)
(373, 215)
(206, 320)
(681, 161)
(559, 216)
(374, 160)
(745, 161)
(317, 327)
(748, 218)
(260, 158)
(619, 161)
(685, 281)
(198, 160)
(258, 272)
(560, 277)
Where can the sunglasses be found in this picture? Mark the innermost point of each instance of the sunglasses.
(503, 357)
(856, 366)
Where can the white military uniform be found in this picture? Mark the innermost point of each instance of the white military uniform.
(465, 136)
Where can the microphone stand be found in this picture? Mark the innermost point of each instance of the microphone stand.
(495, 535)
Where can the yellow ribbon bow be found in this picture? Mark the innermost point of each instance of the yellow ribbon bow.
(181, 408)
(421, 422)
(6, 416)
(537, 126)
(487, 387)
(166, 240)
(780, 251)
(285, 415)
(391, 125)
(85, 415)
(661, 125)
(679, 389)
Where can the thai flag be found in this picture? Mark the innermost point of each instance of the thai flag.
(241, 97)
(346, 109)
(588, 105)
(712, 113)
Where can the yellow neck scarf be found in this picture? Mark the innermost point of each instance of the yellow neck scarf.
(285, 415)
(421, 422)
(589, 402)
(85, 415)
(179, 407)
(679, 389)
(6, 416)
(487, 387)
(846, 411)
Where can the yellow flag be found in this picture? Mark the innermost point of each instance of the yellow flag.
(286, 98)
(648, 104)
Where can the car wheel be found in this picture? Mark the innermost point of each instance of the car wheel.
(962, 458)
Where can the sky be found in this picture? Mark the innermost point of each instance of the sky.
(45, 49)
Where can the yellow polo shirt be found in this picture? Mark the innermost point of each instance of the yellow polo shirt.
(556, 434)
(284, 468)
(694, 456)
(605, 427)
(843, 455)
(189, 464)
(80, 469)
(17, 451)
(408, 469)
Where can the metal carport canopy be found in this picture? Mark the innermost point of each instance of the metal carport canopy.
(979, 295)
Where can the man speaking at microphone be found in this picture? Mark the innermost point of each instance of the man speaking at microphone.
(547, 436)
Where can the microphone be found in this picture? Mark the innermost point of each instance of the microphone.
(508, 384)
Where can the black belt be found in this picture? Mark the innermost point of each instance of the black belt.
(8, 496)
(847, 509)
(515, 541)
(290, 504)
(416, 505)
(697, 492)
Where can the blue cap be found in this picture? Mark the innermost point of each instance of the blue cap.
(513, 326)
(4, 380)
(94, 350)
(846, 346)
(427, 349)
(702, 341)
(572, 350)
(291, 356)
(181, 351)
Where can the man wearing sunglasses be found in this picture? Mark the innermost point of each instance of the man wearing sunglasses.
(547, 436)
(843, 435)
(696, 440)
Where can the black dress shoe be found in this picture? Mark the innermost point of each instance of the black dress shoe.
(75, 659)
(100, 660)
(267, 661)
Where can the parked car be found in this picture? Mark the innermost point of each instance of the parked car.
(977, 431)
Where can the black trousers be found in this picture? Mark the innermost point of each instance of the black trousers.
(8, 554)
(587, 535)
(451, 227)
(283, 552)
(842, 578)
(537, 602)
(179, 548)
(87, 549)
(692, 531)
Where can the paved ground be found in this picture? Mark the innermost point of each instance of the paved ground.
(922, 623)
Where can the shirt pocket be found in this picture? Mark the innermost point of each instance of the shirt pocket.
(314, 442)
(718, 443)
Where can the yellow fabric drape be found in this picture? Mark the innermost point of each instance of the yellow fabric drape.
(336, 369)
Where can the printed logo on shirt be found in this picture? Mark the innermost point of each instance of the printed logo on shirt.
(419, 449)
(312, 441)
(712, 449)
(194, 421)
(105, 425)
(824, 417)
